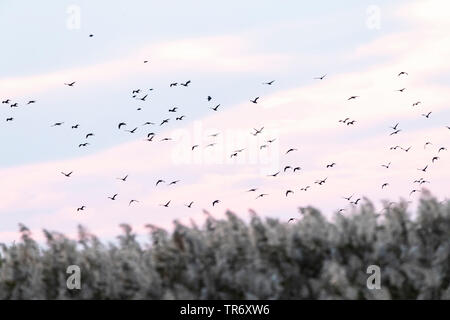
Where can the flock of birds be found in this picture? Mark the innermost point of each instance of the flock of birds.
(142, 95)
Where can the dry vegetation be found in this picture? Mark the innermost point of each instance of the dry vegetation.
(229, 259)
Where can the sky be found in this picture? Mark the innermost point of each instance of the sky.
(228, 50)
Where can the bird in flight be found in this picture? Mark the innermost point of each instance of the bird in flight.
(164, 121)
(321, 182)
(81, 208)
(159, 181)
(57, 124)
(434, 159)
(190, 204)
(252, 190)
(345, 120)
(14, 105)
(83, 144)
(402, 73)
(395, 132)
(148, 123)
(123, 179)
(401, 90)
(174, 182)
(353, 97)
(331, 165)
(255, 100)
(415, 190)
(395, 127)
(9, 119)
(296, 168)
(215, 202)
(426, 115)
(31, 101)
(261, 195)
(351, 122)
(67, 174)
(75, 126)
(216, 107)
(121, 125)
(386, 165)
(174, 84)
(416, 103)
(6, 101)
(144, 97)
(174, 109)
(406, 150)
(132, 131)
(290, 150)
(186, 83)
(209, 98)
(384, 185)
(289, 191)
(257, 131)
(321, 78)
(89, 135)
(424, 169)
(355, 202)
(442, 149)
(269, 83)
(426, 144)
(180, 118)
(348, 198)
(166, 205)
(113, 197)
(274, 175)
(305, 188)
(132, 201)
(70, 84)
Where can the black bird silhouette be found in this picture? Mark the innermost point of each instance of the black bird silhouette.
(255, 100)
(424, 169)
(415, 190)
(123, 179)
(321, 78)
(83, 144)
(353, 97)
(321, 182)
(305, 188)
(81, 208)
(348, 198)
(331, 165)
(89, 135)
(426, 144)
(164, 121)
(395, 127)
(407, 149)
(395, 132)
(174, 109)
(113, 197)
(14, 105)
(216, 107)
(395, 148)
(351, 122)
(9, 119)
(6, 101)
(288, 191)
(166, 205)
(233, 155)
(186, 83)
(261, 195)
(296, 168)
(70, 84)
(159, 181)
(263, 146)
(144, 97)
(355, 202)
(194, 146)
(132, 201)
(402, 73)
(287, 167)
(271, 140)
(174, 182)
(434, 159)
(384, 185)
(426, 115)
(56, 124)
(91, 35)
(136, 91)
(67, 174)
(401, 90)
(75, 126)
(274, 175)
(31, 101)
(148, 123)
(386, 165)
(269, 83)
(291, 219)
(416, 103)
(257, 131)
(121, 125)
(345, 120)
(209, 98)
(215, 202)
(180, 118)
(252, 190)
(174, 84)
(290, 150)
(190, 204)
(442, 149)
(132, 131)
(150, 139)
